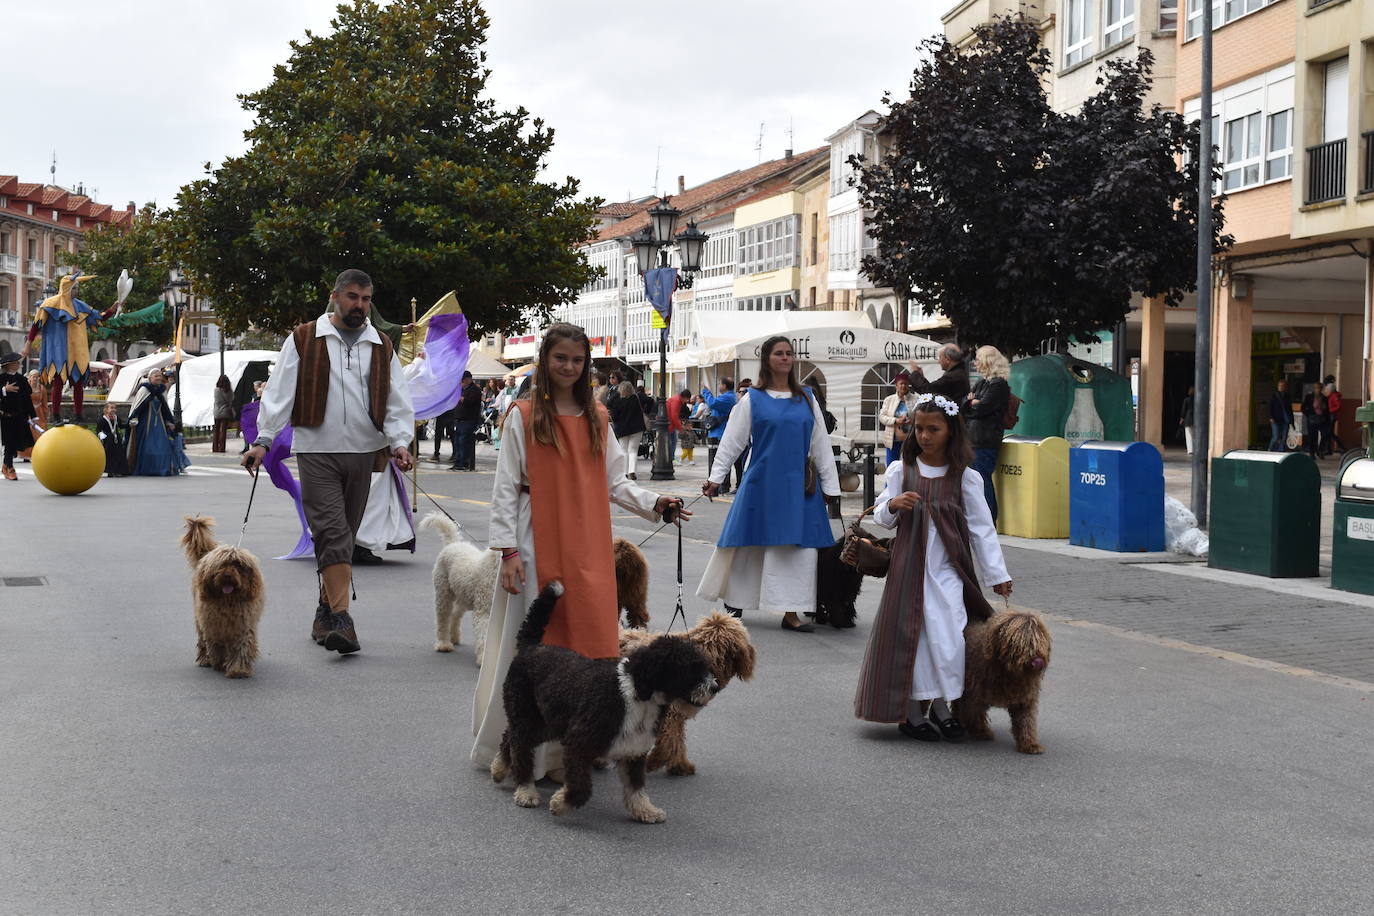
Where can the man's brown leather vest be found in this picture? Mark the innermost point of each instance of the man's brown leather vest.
(312, 379)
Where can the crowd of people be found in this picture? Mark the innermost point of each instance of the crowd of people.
(1319, 409)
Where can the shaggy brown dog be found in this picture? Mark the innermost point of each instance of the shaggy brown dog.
(726, 644)
(227, 592)
(632, 582)
(1005, 660)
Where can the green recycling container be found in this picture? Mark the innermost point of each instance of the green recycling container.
(1352, 538)
(1071, 399)
(1265, 513)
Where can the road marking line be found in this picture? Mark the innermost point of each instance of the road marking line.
(1247, 660)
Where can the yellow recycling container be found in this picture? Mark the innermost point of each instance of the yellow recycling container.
(1032, 484)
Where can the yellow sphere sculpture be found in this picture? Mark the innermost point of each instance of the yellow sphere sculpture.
(68, 459)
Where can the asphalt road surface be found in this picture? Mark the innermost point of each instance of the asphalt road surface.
(132, 781)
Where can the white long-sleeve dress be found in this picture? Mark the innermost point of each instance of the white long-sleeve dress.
(511, 527)
(940, 647)
(778, 578)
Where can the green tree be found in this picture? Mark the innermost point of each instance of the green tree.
(374, 147)
(139, 248)
(1019, 223)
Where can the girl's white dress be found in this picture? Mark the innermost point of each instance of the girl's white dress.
(777, 578)
(510, 527)
(940, 648)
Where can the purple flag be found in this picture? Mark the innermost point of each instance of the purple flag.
(275, 466)
(436, 381)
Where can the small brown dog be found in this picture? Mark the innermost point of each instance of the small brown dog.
(725, 641)
(1005, 661)
(228, 593)
(632, 582)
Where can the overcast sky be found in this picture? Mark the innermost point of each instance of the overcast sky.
(136, 96)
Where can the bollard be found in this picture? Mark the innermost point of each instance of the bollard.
(870, 496)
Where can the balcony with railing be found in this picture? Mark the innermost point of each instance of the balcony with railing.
(1326, 172)
(9, 264)
(1367, 162)
(37, 269)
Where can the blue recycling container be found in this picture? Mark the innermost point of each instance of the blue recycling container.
(1116, 496)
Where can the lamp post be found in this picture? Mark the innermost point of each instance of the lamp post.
(175, 290)
(655, 240)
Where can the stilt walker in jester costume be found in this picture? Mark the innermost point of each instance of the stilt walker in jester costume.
(64, 322)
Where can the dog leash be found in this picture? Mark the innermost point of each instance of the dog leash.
(679, 527)
(678, 611)
(251, 494)
(461, 530)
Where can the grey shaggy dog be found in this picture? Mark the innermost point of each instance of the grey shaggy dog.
(597, 708)
(228, 596)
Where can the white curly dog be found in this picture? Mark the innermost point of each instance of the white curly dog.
(464, 580)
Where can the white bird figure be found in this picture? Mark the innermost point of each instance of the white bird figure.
(123, 286)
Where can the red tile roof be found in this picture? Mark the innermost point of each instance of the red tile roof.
(720, 194)
(23, 194)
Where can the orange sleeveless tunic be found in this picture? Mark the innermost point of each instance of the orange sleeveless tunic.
(570, 512)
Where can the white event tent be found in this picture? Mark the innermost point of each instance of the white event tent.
(198, 376)
(133, 371)
(840, 351)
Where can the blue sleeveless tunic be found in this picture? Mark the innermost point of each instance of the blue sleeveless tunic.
(771, 508)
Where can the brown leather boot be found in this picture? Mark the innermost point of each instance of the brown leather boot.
(341, 637)
(320, 628)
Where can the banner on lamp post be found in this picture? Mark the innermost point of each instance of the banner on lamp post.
(659, 285)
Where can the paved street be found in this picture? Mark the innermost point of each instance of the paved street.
(1209, 745)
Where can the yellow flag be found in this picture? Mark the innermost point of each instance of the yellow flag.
(412, 340)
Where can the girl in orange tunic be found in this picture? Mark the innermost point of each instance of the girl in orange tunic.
(558, 471)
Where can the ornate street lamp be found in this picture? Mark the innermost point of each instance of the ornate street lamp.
(175, 291)
(655, 239)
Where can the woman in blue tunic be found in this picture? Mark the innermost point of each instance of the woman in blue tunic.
(154, 446)
(765, 558)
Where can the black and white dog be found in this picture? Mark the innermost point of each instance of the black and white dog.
(597, 708)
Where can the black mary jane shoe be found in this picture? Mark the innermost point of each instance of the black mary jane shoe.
(921, 731)
(951, 729)
(798, 628)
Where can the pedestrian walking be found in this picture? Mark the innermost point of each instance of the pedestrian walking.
(677, 413)
(946, 542)
(953, 382)
(895, 415)
(224, 413)
(339, 383)
(155, 448)
(718, 407)
(985, 412)
(557, 474)
(467, 416)
(765, 557)
(1185, 420)
(1280, 417)
(627, 419)
(16, 409)
(1317, 422)
(1333, 410)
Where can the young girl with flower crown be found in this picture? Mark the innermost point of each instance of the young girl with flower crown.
(945, 544)
(558, 471)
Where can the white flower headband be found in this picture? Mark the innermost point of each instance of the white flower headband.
(949, 407)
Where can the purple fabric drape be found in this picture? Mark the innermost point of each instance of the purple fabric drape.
(436, 381)
(275, 466)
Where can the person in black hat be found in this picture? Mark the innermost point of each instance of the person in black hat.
(16, 409)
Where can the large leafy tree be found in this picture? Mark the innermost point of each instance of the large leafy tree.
(375, 147)
(140, 248)
(1019, 223)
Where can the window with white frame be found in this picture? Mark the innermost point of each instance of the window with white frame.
(844, 241)
(1278, 151)
(1118, 18)
(774, 302)
(1078, 34)
(718, 260)
(1252, 125)
(722, 301)
(609, 258)
(1168, 15)
(1223, 12)
(851, 144)
(769, 246)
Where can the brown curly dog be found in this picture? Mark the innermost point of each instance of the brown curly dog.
(725, 641)
(1005, 661)
(228, 594)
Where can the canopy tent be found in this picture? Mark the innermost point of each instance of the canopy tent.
(483, 366)
(717, 334)
(853, 365)
(520, 372)
(133, 371)
(198, 376)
